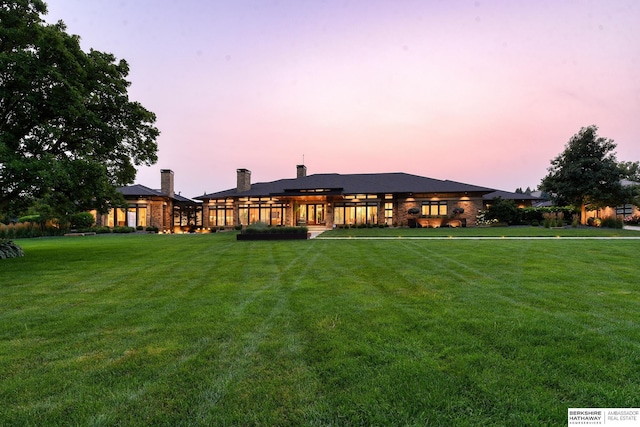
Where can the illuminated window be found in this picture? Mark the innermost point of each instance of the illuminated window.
(434, 208)
(142, 216)
(271, 214)
(121, 218)
(388, 213)
(355, 213)
(220, 216)
(625, 210)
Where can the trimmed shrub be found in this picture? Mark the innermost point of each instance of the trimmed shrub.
(82, 220)
(262, 228)
(122, 229)
(8, 249)
(30, 218)
(101, 230)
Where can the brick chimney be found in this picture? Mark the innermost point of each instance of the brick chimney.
(166, 182)
(244, 180)
(302, 171)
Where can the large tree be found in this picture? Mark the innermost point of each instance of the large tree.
(586, 174)
(69, 135)
(630, 171)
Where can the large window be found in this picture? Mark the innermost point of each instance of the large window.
(271, 214)
(142, 216)
(187, 215)
(132, 216)
(220, 216)
(434, 208)
(625, 210)
(388, 213)
(116, 217)
(355, 213)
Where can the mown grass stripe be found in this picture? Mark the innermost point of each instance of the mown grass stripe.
(202, 330)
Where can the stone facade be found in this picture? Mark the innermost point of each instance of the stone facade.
(348, 199)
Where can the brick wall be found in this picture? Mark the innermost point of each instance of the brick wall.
(471, 207)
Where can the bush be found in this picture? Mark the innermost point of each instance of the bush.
(101, 230)
(594, 222)
(122, 229)
(262, 228)
(612, 222)
(152, 228)
(82, 220)
(26, 229)
(29, 218)
(528, 215)
(8, 249)
(553, 219)
(503, 210)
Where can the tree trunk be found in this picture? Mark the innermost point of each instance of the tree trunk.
(583, 214)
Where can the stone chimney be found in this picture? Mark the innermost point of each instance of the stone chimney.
(244, 180)
(166, 182)
(302, 171)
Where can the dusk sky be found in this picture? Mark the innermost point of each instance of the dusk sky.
(481, 92)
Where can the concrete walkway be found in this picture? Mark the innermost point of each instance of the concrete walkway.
(482, 238)
(316, 233)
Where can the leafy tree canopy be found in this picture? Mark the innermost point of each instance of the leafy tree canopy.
(586, 173)
(630, 171)
(69, 135)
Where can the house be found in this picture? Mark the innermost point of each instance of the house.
(521, 200)
(164, 209)
(624, 211)
(330, 199)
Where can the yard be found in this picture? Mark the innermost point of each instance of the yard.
(200, 330)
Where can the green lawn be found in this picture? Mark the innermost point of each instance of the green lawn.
(203, 330)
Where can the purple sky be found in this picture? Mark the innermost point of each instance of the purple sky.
(482, 92)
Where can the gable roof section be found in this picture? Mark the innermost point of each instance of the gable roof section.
(334, 183)
(138, 190)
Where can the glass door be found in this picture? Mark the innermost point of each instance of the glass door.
(315, 214)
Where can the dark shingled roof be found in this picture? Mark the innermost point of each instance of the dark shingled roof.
(138, 190)
(506, 195)
(334, 183)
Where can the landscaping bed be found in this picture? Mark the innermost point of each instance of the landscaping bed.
(260, 231)
(273, 236)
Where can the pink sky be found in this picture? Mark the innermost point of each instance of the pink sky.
(481, 92)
